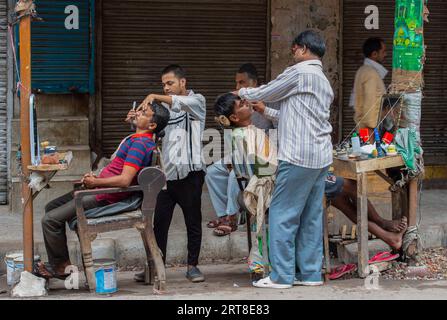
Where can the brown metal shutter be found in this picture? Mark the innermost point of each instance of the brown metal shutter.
(434, 108)
(209, 38)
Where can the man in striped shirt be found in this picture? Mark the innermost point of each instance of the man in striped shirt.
(183, 165)
(303, 96)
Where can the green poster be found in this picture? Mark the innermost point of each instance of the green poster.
(408, 48)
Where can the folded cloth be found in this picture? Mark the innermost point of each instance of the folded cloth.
(408, 148)
(258, 196)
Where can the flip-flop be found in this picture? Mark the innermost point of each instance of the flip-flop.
(342, 270)
(383, 257)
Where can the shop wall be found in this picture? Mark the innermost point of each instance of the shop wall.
(288, 19)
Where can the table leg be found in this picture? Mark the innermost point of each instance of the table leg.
(362, 225)
(412, 202)
(412, 212)
(396, 201)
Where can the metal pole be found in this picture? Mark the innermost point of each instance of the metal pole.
(25, 91)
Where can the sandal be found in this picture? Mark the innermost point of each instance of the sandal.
(45, 270)
(342, 270)
(228, 226)
(383, 257)
(215, 223)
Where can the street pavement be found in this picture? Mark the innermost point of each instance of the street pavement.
(232, 282)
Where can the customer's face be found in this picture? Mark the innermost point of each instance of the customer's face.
(242, 112)
(143, 119)
(244, 81)
(172, 85)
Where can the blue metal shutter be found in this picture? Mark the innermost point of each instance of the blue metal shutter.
(62, 59)
(3, 104)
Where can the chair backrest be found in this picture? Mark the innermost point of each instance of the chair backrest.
(151, 181)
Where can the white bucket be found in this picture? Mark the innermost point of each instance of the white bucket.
(9, 261)
(15, 266)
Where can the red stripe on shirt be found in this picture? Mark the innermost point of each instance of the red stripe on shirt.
(130, 164)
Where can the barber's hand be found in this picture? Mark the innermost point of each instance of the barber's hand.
(236, 93)
(258, 106)
(89, 181)
(147, 101)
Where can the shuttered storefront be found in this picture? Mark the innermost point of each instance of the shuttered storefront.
(3, 104)
(61, 51)
(209, 38)
(434, 105)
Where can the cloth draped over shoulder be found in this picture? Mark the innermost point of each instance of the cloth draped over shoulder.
(258, 196)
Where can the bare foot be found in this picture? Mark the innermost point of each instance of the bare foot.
(395, 225)
(395, 239)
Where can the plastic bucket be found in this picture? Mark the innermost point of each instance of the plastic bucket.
(15, 266)
(105, 276)
(9, 261)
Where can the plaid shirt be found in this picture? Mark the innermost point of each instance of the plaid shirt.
(303, 96)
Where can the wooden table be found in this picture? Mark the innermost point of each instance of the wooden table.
(358, 170)
(48, 171)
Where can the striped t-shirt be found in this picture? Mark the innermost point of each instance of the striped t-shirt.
(136, 152)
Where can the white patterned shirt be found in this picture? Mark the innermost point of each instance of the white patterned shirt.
(303, 96)
(182, 144)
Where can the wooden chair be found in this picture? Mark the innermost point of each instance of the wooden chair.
(150, 181)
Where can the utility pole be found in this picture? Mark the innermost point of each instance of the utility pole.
(25, 92)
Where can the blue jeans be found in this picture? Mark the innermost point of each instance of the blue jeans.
(223, 188)
(296, 224)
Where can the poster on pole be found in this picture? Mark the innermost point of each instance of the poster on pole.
(408, 45)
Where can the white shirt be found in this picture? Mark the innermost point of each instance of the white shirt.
(182, 144)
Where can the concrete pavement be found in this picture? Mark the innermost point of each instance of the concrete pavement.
(231, 282)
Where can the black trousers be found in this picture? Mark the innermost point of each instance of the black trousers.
(187, 193)
(57, 213)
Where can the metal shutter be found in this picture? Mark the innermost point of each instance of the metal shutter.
(434, 108)
(3, 103)
(61, 58)
(209, 38)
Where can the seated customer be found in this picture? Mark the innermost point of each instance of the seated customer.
(134, 154)
(342, 192)
(252, 152)
(343, 196)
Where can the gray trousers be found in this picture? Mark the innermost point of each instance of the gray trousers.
(57, 213)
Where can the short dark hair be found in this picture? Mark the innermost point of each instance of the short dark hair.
(224, 105)
(178, 71)
(371, 45)
(160, 117)
(313, 41)
(250, 70)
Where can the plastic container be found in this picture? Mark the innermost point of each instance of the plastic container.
(387, 138)
(105, 276)
(380, 152)
(355, 141)
(9, 261)
(15, 266)
(364, 134)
